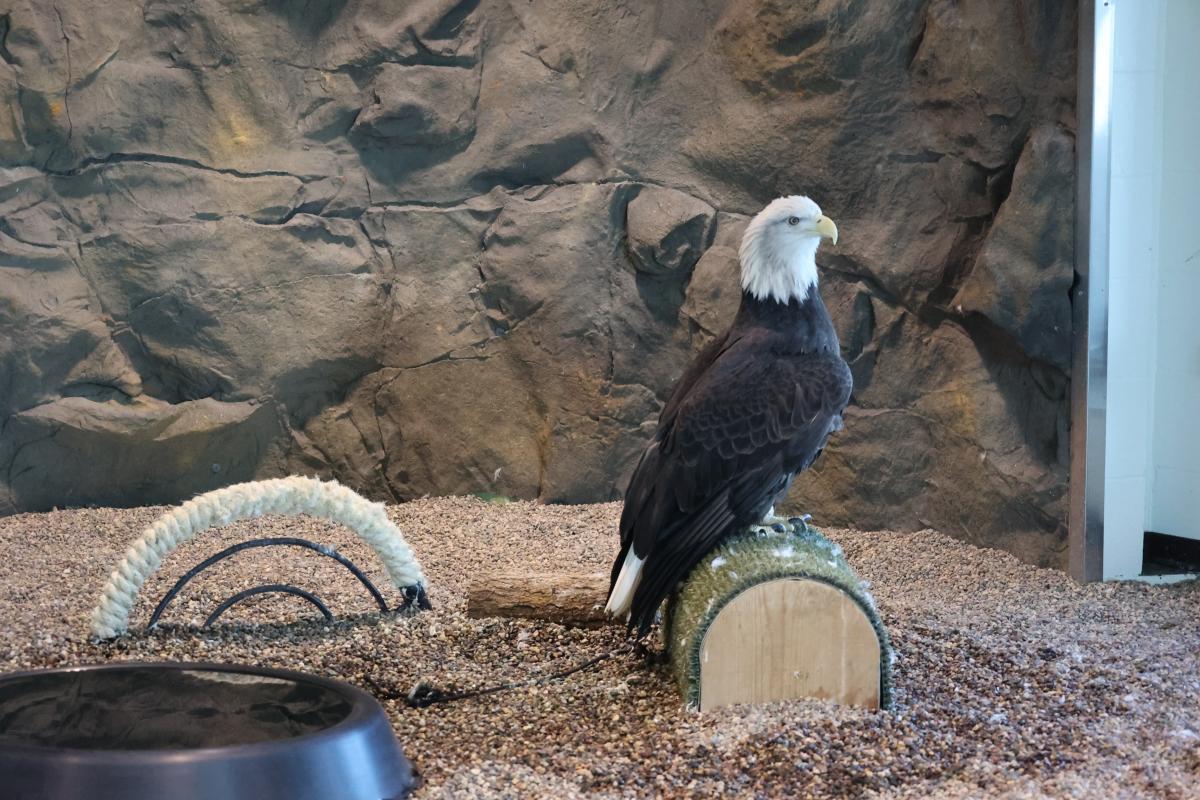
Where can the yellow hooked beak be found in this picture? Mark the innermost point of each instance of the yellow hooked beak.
(826, 228)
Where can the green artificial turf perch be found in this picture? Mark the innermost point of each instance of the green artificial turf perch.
(757, 556)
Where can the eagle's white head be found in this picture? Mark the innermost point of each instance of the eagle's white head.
(779, 249)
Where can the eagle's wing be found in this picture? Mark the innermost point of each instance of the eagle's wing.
(641, 489)
(750, 421)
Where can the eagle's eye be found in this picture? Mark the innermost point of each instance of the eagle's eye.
(793, 220)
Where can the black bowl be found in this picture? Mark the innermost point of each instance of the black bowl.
(194, 732)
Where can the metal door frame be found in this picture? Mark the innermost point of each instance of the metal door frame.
(1089, 368)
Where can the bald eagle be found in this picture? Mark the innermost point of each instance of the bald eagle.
(754, 409)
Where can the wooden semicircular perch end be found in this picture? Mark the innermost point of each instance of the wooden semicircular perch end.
(824, 647)
(778, 616)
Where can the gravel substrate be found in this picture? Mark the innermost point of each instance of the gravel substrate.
(1011, 681)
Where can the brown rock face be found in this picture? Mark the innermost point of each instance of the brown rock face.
(173, 450)
(667, 230)
(468, 246)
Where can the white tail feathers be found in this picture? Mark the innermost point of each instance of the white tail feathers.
(627, 582)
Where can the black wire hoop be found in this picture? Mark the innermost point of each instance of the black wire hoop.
(414, 596)
(268, 588)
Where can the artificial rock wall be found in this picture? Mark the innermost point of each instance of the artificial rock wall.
(451, 246)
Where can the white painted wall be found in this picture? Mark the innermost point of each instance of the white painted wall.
(1152, 441)
(1136, 167)
(1174, 469)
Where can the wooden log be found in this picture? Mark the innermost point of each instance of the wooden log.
(777, 616)
(569, 599)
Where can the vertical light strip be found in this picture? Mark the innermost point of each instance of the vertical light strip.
(1089, 369)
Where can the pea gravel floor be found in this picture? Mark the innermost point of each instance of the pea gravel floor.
(1011, 681)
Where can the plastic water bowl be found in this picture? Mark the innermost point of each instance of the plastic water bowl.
(194, 732)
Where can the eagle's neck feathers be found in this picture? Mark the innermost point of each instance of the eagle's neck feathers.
(801, 325)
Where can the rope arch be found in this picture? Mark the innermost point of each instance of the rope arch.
(290, 496)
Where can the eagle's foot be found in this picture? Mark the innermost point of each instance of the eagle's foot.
(773, 524)
(800, 524)
(777, 524)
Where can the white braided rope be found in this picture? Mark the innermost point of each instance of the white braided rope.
(296, 495)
